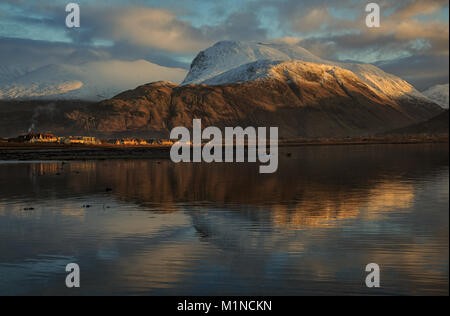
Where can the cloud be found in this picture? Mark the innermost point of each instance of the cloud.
(422, 71)
(243, 26)
(406, 28)
(170, 34)
(288, 40)
(156, 28)
(30, 53)
(162, 30)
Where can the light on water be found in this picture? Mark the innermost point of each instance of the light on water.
(224, 229)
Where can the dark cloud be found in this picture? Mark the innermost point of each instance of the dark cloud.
(244, 26)
(31, 54)
(123, 51)
(422, 71)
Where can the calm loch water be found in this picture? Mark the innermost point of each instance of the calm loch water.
(219, 229)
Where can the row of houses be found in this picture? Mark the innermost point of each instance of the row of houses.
(35, 138)
(48, 138)
(139, 142)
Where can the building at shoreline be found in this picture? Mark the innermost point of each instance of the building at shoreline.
(49, 138)
(83, 140)
(36, 138)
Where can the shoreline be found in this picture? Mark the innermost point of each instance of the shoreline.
(60, 152)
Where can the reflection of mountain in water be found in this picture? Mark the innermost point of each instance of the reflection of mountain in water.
(225, 229)
(313, 188)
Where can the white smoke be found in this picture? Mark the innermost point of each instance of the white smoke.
(43, 110)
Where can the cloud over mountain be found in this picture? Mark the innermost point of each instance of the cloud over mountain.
(169, 33)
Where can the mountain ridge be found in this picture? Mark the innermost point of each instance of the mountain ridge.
(303, 99)
(227, 55)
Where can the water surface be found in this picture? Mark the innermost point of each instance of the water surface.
(224, 229)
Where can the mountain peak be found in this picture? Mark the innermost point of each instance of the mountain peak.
(217, 63)
(226, 55)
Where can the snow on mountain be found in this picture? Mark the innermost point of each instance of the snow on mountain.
(439, 94)
(89, 81)
(46, 81)
(228, 55)
(386, 83)
(261, 69)
(297, 73)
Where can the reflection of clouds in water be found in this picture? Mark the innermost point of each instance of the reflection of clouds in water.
(423, 265)
(290, 230)
(162, 266)
(278, 224)
(330, 254)
(108, 254)
(232, 231)
(133, 244)
(221, 229)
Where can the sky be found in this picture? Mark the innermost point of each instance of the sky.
(412, 42)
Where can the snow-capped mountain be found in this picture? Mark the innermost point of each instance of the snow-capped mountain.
(303, 99)
(92, 75)
(439, 94)
(94, 80)
(225, 56)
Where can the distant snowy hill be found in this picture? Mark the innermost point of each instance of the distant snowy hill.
(94, 80)
(211, 65)
(439, 94)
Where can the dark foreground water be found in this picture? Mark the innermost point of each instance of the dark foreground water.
(198, 229)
